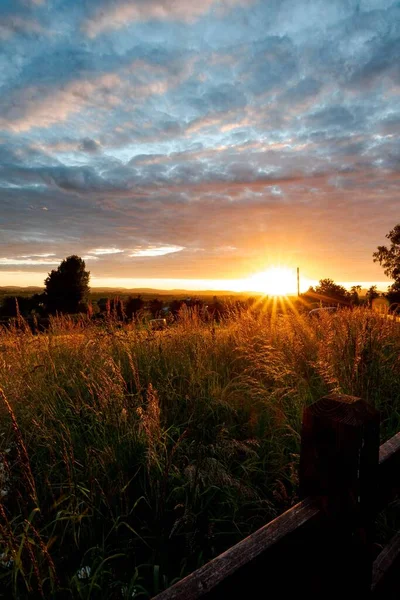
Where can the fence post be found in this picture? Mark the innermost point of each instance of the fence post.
(339, 466)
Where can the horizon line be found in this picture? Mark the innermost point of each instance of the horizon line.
(194, 285)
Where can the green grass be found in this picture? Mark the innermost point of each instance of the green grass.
(129, 458)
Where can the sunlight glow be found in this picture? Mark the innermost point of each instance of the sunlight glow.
(275, 281)
(266, 283)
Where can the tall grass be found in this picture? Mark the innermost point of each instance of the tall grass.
(128, 458)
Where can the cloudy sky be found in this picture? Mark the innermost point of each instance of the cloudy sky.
(198, 140)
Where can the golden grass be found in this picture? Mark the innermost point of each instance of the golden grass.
(129, 457)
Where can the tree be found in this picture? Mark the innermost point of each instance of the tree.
(102, 304)
(393, 295)
(134, 306)
(13, 306)
(371, 294)
(24, 306)
(67, 288)
(354, 294)
(331, 291)
(175, 307)
(389, 258)
(156, 307)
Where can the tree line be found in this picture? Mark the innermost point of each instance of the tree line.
(66, 291)
(388, 257)
(327, 291)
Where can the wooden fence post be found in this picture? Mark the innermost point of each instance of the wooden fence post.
(339, 466)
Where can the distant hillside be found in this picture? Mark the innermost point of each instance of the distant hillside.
(14, 289)
(97, 292)
(152, 291)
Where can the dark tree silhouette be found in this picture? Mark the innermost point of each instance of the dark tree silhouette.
(393, 295)
(102, 304)
(329, 291)
(175, 306)
(12, 306)
(371, 294)
(389, 258)
(24, 306)
(354, 294)
(155, 307)
(134, 306)
(67, 288)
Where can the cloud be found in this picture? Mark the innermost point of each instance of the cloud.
(26, 261)
(306, 89)
(73, 90)
(89, 145)
(155, 251)
(337, 117)
(32, 2)
(48, 255)
(38, 106)
(254, 125)
(15, 24)
(105, 251)
(116, 14)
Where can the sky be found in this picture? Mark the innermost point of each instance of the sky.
(188, 143)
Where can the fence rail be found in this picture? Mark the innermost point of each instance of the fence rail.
(324, 546)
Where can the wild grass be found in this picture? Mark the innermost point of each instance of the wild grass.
(129, 458)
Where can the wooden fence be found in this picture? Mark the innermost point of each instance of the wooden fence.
(325, 545)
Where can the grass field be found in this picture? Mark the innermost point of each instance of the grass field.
(129, 458)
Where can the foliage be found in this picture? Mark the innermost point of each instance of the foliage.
(354, 294)
(329, 291)
(393, 296)
(134, 306)
(156, 307)
(371, 294)
(129, 457)
(389, 257)
(14, 306)
(67, 288)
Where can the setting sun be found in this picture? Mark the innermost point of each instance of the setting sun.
(275, 281)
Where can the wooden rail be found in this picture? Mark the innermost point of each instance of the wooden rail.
(324, 545)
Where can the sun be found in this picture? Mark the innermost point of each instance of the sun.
(275, 281)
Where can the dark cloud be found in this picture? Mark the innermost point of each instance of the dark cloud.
(337, 117)
(306, 88)
(383, 61)
(269, 63)
(90, 146)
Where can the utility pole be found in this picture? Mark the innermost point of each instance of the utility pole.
(298, 281)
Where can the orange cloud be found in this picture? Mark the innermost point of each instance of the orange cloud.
(38, 106)
(120, 13)
(33, 108)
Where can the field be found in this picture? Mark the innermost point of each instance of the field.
(128, 458)
(147, 294)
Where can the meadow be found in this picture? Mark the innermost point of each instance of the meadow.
(128, 457)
